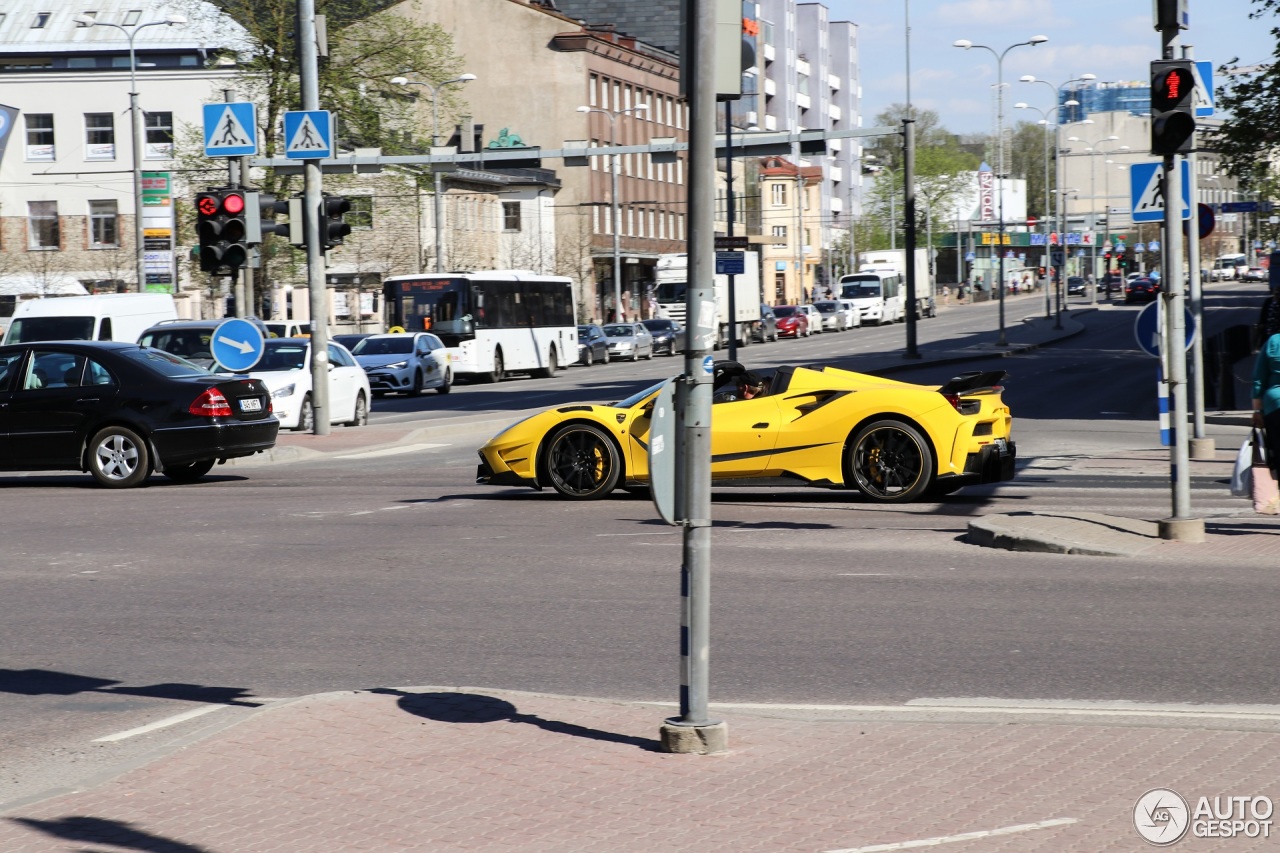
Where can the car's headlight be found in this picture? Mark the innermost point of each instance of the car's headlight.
(399, 365)
(286, 391)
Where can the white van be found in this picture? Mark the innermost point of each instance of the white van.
(288, 329)
(104, 317)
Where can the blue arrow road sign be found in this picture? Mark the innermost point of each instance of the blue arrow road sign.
(1146, 328)
(1147, 191)
(230, 130)
(237, 345)
(308, 135)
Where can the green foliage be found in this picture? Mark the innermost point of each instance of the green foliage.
(1250, 138)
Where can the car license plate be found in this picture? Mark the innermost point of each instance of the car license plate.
(251, 405)
(1001, 445)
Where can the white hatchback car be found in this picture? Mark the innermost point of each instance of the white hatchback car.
(815, 319)
(285, 368)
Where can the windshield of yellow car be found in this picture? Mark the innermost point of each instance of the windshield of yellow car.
(637, 398)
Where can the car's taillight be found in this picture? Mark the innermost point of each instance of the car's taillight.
(211, 403)
(966, 407)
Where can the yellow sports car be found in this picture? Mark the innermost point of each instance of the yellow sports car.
(891, 441)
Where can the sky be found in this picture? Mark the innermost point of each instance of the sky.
(1115, 40)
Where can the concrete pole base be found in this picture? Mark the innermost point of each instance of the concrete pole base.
(1201, 448)
(695, 740)
(1182, 529)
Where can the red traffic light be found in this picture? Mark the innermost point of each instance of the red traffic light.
(207, 205)
(233, 203)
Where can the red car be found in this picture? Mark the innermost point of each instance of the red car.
(792, 323)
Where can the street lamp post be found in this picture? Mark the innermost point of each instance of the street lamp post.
(614, 207)
(999, 55)
(135, 116)
(438, 204)
(1059, 202)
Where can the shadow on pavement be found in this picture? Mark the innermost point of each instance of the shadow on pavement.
(44, 682)
(113, 832)
(477, 708)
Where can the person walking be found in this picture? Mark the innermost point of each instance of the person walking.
(1266, 396)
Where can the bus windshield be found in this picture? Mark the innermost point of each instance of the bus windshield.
(860, 288)
(433, 305)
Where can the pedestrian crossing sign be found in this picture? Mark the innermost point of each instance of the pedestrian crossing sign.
(308, 135)
(1147, 191)
(1202, 95)
(230, 130)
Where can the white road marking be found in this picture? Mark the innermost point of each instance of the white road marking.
(645, 533)
(966, 836)
(863, 575)
(160, 724)
(391, 451)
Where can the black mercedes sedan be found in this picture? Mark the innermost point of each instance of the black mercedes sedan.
(120, 411)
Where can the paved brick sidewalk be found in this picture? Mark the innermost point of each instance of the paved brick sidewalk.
(421, 770)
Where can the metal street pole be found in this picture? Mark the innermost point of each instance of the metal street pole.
(438, 179)
(1181, 525)
(1201, 446)
(313, 198)
(909, 231)
(729, 227)
(967, 45)
(693, 731)
(135, 131)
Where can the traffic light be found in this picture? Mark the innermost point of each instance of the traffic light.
(332, 228)
(221, 229)
(260, 216)
(1173, 121)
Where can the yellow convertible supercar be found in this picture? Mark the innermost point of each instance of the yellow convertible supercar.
(891, 441)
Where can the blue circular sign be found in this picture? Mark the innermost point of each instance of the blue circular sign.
(237, 345)
(1146, 328)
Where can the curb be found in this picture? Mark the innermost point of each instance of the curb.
(1084, 533)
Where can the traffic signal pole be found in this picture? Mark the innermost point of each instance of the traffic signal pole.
(1201, 447)
(1181, 525)
(313, 199)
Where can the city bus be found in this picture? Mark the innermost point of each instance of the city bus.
(878, 294)
(492, 323)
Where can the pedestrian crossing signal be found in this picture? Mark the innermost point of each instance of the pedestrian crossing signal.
(1173, 122)
(221, 229)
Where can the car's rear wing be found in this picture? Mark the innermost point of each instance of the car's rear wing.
(974, 382)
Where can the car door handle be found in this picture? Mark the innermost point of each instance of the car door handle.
(84, 400)
(760, 426)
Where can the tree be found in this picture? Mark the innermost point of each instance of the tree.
(1027, 161)
(1249, 140)
(368, 46)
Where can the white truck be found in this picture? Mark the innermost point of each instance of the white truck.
(896, 260)
(671, 284)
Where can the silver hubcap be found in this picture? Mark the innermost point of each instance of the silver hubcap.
(117, 457)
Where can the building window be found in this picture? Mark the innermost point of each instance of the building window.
(43, 225)
(103, 224)
(99, 136)
(159, 136)
(40, 136)
(593, 85)
(132, 17)
(41, 19)
(780, 287)
(361, 213)
(779, 236)
(778, 195)
(511, 216)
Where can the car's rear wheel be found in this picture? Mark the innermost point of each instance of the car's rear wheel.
(191, 472)
(588, 358)
(360, 415)
(890, 461)
(447, 385)
(118, 458)
(582, 463)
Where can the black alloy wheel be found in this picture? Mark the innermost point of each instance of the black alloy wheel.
(890, 462)
(582, 462)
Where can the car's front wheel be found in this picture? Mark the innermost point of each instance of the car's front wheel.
(582, 463)
(118, 458)
(189, 473)
(588, 358)
(889, 461)
(307, 416)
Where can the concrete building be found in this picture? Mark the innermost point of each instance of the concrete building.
(534, 68)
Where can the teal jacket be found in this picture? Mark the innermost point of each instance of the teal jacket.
(1266, 375)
